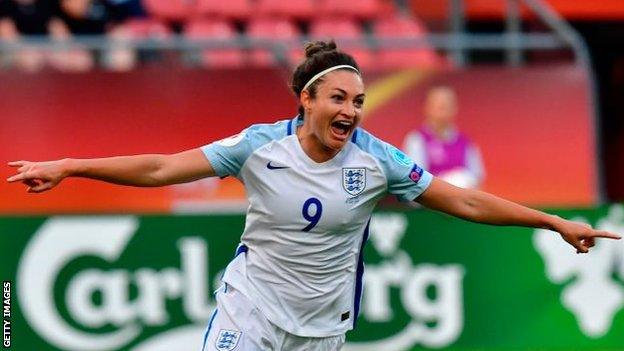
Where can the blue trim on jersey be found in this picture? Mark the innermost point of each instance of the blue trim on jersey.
(214, 314)
(240, 249)
(289, 128)
(358, 278)
(354, 136)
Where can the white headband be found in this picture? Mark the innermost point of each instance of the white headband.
(321, 73)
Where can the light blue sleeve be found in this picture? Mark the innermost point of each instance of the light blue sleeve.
(405, 178)
(227, 156)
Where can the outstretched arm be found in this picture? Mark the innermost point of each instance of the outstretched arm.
(138, 170)
(482, 207)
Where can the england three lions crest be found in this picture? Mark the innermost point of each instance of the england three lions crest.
(227, 339)
(353, 180)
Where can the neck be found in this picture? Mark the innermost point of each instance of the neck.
(440, 130)
(313, 147)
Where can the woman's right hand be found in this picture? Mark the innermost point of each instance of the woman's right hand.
(39, 176)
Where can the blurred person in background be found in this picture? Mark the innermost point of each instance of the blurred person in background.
(84, 17)
(80, 17)
(100, 17)
(126, 22)
(60, 20)
(29, 17)
(440, 147)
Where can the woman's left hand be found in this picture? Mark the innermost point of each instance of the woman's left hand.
(580, 235)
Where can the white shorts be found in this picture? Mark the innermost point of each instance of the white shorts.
(237, 324)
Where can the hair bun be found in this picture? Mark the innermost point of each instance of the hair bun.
(319, 46)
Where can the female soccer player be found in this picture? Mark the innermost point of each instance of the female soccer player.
(312, 183)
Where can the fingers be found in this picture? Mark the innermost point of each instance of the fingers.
(16, 163)
(40, 188)
(578, 243)
(22, 177)
(604, 234)
(31, 182)
(17, 178)
(34, 180)
(581, 248)
(23, 174)
(23, 165)
(584, 245)
(589, 242)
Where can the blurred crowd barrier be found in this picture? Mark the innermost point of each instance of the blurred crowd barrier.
(534, 126)
(119, 35)
(104, 283)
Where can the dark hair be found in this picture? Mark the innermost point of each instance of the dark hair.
(320, 55)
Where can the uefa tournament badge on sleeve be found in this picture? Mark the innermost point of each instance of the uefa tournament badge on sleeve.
(416, 173)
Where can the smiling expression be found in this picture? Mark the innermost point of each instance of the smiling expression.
(332, 115)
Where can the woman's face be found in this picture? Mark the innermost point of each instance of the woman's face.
(336, 110)
(441, 107)
(76, 8)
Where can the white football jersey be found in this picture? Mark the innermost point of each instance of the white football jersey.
(307, 222)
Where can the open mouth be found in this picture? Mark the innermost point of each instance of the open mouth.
(341, 129)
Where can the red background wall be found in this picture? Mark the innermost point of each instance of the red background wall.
(533, 125)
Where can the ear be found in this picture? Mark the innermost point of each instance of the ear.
(305, 99)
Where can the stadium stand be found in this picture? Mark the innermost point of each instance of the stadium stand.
(121, 56)
(365, 9)
(170, 10)
(277, 32)
(220, 30)
(145, 28)
(293, 9)
(231, 9)
(403, 27)
(263, 32)
(348, 34)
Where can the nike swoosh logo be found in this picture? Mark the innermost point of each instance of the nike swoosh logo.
(270, 166)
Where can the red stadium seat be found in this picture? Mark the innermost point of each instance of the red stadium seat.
(364, 9)
(237, 9)
(216, 29)
(300, 9)
(142, 28)
(400, 27)
(170, 10)
(348, 35)
(274, 30)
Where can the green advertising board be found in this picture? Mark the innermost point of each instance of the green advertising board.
(432, 282)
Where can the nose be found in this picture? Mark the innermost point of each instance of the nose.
(350, 110)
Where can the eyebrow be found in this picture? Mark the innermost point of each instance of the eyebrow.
(344, 92)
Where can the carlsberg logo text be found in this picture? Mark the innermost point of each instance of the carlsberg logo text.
(61, 240)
